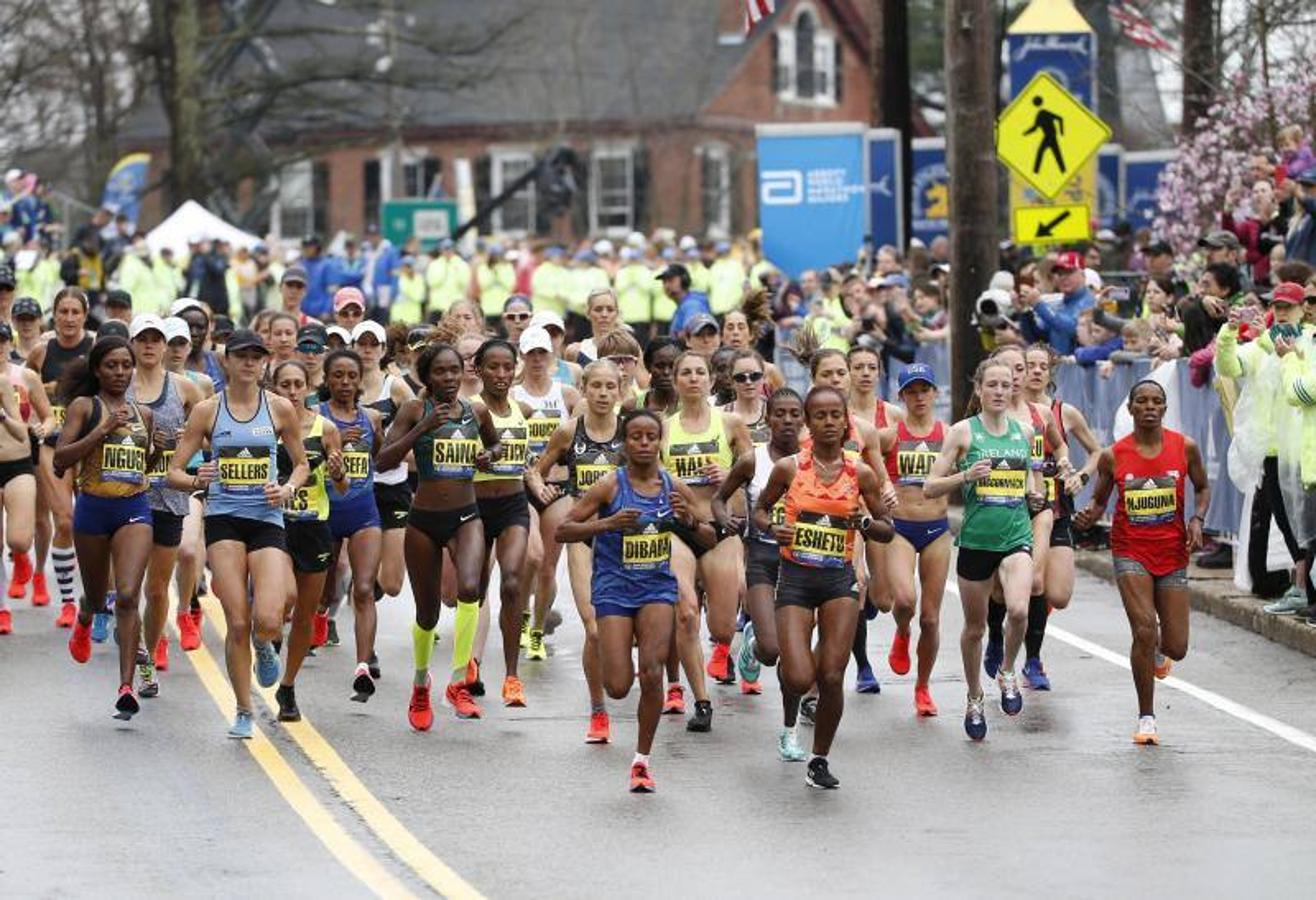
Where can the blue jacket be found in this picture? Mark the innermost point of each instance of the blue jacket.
(320, 273)
(1086, 356)
(1059, 326)
(695, 302)
(1301, 242)
(386, 267)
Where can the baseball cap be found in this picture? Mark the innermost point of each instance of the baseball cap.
(7, 279)
(418, 337)
(699, 322)
(446, 243)
(407, 261)
(688, 243)
(535, 338)
(917, 372)
(112, 328)
(146, 322)
(674, 270)
(175, 328)
(294, 274)
(1288, 292)
(369, 327)
(118, 298)
(546, 318)
(244, 339)
(1220, 240)
(311, 334)
(347, 296)
(6, 333)
(25, 308)
(183, 304)
(1070, 261)
(222, 328)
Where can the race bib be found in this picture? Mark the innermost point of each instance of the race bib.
(244, 470)
(649, 550)
(356, 461)
(914, 461)
(58, 413)
(588, 474)
(539, 430)
(688, 461)
(820, 540)
(515, 450)
(454, 457)
(1007, 483)
(1151, 501)
(156, 474)
(123, 460)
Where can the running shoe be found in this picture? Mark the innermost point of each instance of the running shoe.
(331, 639)
(162, 654)
(525, 631)
(419, 712)
(994, 654)
(535, 649)
(363, 686)
(373, 664)
(68, 614)
(817, 775)
(286, 697)
(80, 642)
(1293, 601)
(189, 636)
(513, 692)
(40, 594)
(809, 710)
(898, 658)
(459, 698)
(975, 718)
(746, 661)
(100, 627)
(242, 727)
(865, 682)
(751, 688)
(267, 664)
(1162, 665)
(320, 629)
(126, 706)
(719, 664)
(16, 588)
(146, 674)
(674, 702)
(923, 704)
(473, 683)
(1146, 734)
(600, 729)
(702, 720)
(1036, 676)
(6, 622)
(22, 567)
(788, 748)
(1012, 702)
(641, 780)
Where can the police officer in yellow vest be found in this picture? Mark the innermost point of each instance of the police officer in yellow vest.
(409, 304)
(726, 278)
(448, 277)
(635, 291)
(550, 285)
(496, 279)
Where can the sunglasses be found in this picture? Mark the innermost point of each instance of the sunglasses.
(311, 349)
(624, 360)
(350, 313)
(747, 377)
(516, 317)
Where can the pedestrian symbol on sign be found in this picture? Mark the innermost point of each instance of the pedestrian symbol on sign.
(1052, 128)
(1046, 136)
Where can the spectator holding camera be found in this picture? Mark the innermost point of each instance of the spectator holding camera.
(1207, 308)
(1057, 323)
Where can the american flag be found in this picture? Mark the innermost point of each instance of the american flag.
(756, 10)
(1137, 27)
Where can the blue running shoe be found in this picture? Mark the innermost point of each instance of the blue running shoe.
(975, 718)
(267, 664)
(1036, 675)
(746, 661)
(994, 654)
(866, 682)
(241, 727)
(100, 627)
(1012, 702)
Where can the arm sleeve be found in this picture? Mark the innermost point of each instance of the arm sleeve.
(1057, 321)
(1227, 358)
(1299, 385)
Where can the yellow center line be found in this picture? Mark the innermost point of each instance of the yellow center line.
(349, 852)
(404, 845)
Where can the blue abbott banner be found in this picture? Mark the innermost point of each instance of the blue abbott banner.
(1110, 184)
(929, 206)
(813, 193)
(886, 186)
(1142, 172)
(124, 186)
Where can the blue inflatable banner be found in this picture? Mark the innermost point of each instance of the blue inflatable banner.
(1110, 180)
(1142, 172)
(886, 187)
(124, 186)
(929, 206)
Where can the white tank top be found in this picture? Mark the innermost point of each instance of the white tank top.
(398, 473)
(762, 471)
(546, 413)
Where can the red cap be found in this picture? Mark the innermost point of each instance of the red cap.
(1071, 260)
(1287, 292)
(347, 296)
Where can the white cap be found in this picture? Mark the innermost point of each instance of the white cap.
(368, 327)
(13, 174)
(545, 318)
(175, 328)
(604, 247)
(688, 243)
(183, 304)
(636, 240)
(146, 322)
(1092, 279)
(1002, 281)
(341, 332)
(536, 338)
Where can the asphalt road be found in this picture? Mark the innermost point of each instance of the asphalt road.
(1056, 801)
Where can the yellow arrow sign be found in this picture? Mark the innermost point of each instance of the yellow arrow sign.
(1062, 224)
(1046, 135)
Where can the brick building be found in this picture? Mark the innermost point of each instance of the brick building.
(659, 98)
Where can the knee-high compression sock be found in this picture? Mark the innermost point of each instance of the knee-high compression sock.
(1037, 615)
(422, 648)
(468, 618)
(66, 564)
(860, 646)
(996, 620)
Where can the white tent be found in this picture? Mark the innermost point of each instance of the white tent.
(192, 220)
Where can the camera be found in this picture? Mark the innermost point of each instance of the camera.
(994, 302)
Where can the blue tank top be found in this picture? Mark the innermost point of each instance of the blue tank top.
(635, 568)
(563, 373)
(214, 369)
(357, 461)
(246, 452)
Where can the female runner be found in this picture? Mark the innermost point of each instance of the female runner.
(990, 458)
(517, 311)
(748, 374)
(623, 351)
(739, 333)
(759, 645)
(282, 340)
(1149, 539)
(468, 345)
(601, 310)
(630, 514)
(25, 402)
(699, 447)
(306, 521)
(449, 439)
(245, 543)
(589, 447)
(108, 437)
(816, 582)
(660, 362)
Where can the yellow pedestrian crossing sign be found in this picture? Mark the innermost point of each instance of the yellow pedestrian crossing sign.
(1059, 224)
(1046, 135)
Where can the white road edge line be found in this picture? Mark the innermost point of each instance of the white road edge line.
(1281, 730)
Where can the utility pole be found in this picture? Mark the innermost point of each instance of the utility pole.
(971, 49)
(893, 97)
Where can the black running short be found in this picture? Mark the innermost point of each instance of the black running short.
(166, 528)
(310, 544)
(762, 563)
(812, 586)
(11, 469)
(441, 525)
(394, 503)
(1062, 533)
(562, 492)
(501, 513)
(256, 534)
(980, 565)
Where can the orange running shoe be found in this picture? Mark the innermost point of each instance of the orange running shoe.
(719, 664)
(641, 780)
(1162, 665)
(674, 704)
(600, 729)
(898, 658)
(189, 635)
(923, 704)
(68, 614)
(22, 569)
(80, 642)
(40, 596)
(320, 630)
(16, 589)
(162, 654)
(459, 698)
(419, 712)
(6, 622)
(751, 687)
(513, 692)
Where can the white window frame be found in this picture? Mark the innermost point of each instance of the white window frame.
(824, 59)
(296, 195)
(498, 157)
(599, 153)
(720, 227)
